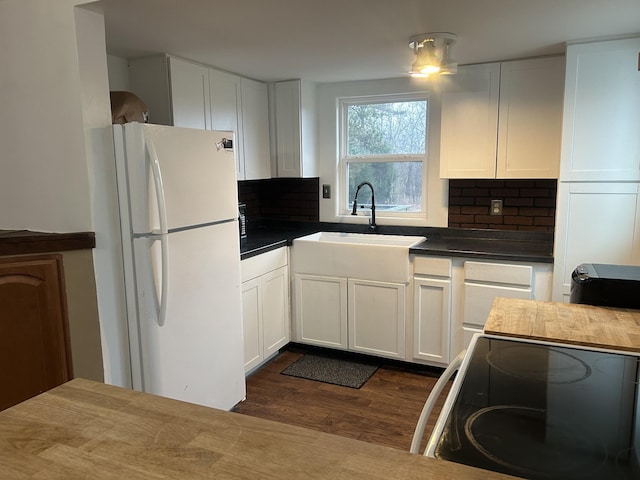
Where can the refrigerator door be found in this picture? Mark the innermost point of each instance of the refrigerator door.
(197, 355)
(185, 175)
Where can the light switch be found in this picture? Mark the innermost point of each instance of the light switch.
(326, 190)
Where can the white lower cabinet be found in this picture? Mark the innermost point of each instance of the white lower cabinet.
(252, 324)
(432, 309)
(452, 298)
(321, 310)
(431, 319)
(351, 314)
(265, 306)
(428, 320)
(478, 299)
(483, 282)
(377, 318)
(597, 222)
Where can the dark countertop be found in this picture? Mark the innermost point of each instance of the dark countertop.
(19, 242)
(472, 243)
(487, 248)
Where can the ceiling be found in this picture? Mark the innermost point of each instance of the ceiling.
(340, 40)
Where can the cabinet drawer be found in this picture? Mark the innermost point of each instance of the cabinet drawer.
(478, 299)
(435, 266)
(260, 264)
(521, 275)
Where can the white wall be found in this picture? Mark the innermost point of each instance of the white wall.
(44, 183)
(107, 256)
(328, 95)
(57, 159)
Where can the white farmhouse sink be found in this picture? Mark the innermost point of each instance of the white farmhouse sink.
(354, 255)
(366, 239)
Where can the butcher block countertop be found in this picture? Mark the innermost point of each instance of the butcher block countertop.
(88, 430)
(601, 327)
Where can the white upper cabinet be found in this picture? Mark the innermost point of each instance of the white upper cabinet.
(530, 118)
(255, 128)
(226, 113)
(503, 120)
(601, 126)
(190, 102)
(188, 94)
(175, 90)
(149, 80)
(470, 122)
(295, 109)
(224, 89)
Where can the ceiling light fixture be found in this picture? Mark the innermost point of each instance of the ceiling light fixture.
(433, 54)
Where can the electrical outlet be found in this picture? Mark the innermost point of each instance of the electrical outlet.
(326, 190)
(496, 207)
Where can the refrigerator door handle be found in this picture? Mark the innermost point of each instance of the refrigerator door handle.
(164, 243)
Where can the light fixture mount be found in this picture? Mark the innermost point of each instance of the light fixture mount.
(433, 54)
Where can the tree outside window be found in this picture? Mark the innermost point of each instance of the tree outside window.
(384, 143)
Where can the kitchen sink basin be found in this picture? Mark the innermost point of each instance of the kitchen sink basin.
(354, 255)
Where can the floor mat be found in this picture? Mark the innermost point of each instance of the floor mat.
(331, 370)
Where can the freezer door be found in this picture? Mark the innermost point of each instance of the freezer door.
(197, 354)
(181, 173)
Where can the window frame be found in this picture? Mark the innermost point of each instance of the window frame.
(343, 208)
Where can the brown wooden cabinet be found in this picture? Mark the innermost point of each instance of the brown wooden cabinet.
(34, 336)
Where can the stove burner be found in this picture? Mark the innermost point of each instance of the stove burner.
(538, 364)
(521, 440)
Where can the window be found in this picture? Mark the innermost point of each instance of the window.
(384, 142)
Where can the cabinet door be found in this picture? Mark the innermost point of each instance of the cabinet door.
(288, 133)
(377, 318)
(252, 324)
(34, 337)
(275, 310)
(149, 80)
(189, 94)
(470, 122)
(601, 114)
(255, 125)
(432, 319)
(321, 310)
(530, 118)
(226, 102)
(597, 223)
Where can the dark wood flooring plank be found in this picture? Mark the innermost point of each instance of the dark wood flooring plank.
(384, 411)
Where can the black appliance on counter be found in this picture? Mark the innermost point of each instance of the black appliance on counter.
(606, 285)
(242, 221)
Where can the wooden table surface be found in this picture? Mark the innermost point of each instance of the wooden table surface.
(615, 328)
(88, 430)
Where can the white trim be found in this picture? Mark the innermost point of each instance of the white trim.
(343, 159)
(329, 95)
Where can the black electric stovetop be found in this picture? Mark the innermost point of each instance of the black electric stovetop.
(545, 412)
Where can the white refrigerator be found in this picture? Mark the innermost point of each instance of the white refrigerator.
(177, 193)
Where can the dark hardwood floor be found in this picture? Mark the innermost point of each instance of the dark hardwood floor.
(384, 411)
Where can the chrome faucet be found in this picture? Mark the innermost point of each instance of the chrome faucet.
(372, 221)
